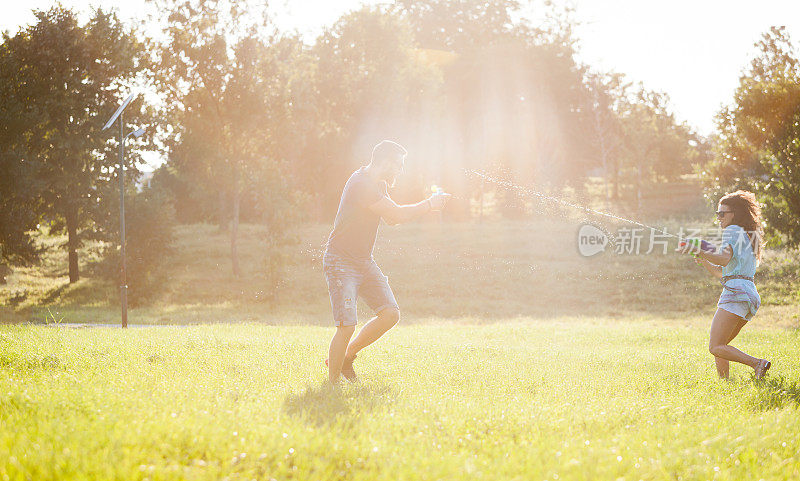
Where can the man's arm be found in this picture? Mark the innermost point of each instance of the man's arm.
(395, 214)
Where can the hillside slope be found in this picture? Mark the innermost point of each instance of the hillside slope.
(450, 270)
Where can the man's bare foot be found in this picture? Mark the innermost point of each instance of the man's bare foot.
(347, 370)
(762, 368)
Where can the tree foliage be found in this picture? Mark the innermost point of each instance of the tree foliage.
(758, 147)
(460, 26)
(463, 85)
(226, 91)
(367, 85)
(257, 125)
(64, 84)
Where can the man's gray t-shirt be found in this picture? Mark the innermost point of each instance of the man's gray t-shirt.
(356, 226)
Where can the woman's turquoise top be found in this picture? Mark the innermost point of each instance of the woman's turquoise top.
(743, 262)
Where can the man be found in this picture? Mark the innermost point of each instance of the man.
(348, 265)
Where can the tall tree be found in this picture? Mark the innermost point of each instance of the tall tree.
(222, 72)
(462, 25)
(606, 93)
(65, 84)
(368, 85)
(758, 146)
(514, 93)
(655, 144)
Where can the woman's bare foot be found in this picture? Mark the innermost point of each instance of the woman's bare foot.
(762, 368)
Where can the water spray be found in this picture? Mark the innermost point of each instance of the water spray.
(588, 210)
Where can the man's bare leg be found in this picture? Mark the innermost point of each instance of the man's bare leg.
(373, 330)
(337, 350)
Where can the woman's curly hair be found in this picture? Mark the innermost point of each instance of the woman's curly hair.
(747, 215)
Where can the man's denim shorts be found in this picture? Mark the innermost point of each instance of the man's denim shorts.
(350, 279)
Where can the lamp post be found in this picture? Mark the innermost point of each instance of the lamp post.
(122, 139)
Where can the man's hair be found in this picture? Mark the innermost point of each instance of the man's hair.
(387, 150)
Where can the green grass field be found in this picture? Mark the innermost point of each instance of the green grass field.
(516, 358)
(557, 399)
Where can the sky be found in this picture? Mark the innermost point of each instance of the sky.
(693, 50)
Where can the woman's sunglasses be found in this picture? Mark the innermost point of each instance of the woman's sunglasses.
(721, 213)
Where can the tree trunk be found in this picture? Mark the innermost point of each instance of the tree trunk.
(235, 224)
(480, 211)
(639, 187)
(222, 211)
(607, 194)
(72, 243)
(601, 137)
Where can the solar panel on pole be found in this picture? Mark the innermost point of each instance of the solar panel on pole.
(123, 270)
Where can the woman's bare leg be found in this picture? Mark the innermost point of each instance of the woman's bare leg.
(723, 365)
(724, 328)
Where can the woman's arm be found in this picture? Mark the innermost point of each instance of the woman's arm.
(713, 269)
(712, 261)
(719, 258)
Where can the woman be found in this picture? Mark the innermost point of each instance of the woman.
(734, 263)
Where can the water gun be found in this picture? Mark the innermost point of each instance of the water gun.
(702, 244)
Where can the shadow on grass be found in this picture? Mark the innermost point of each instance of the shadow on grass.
(31, 363)
(774, 393)
(52, 295)
(324, 404)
